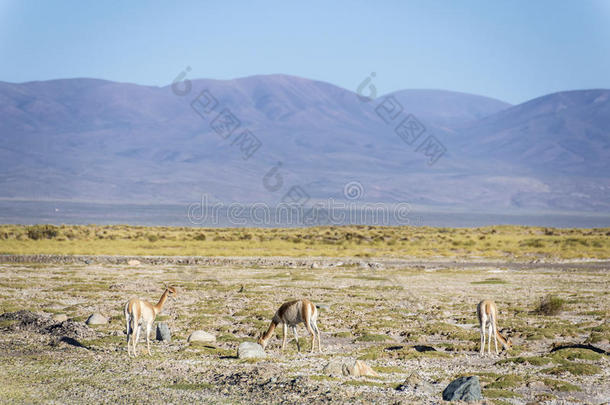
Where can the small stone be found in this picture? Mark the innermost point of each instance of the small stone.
(202, 337)
(96, 319)
(359, 368)
(323, 306)
(163, 333)
(60, 317)
(315, 265)
(536, 384)
(133, 262)
(463, 389)
(250, 350)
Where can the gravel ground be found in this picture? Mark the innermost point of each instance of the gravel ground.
(402, 317)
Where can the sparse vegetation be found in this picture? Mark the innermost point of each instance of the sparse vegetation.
(357, 241)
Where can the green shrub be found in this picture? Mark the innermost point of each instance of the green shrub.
(550, 305)
(42, 232)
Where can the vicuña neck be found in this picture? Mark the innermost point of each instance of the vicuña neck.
(159, 306)
(269, 332)
(502, 339)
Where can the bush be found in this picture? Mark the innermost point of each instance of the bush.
(199, 236)
(550, 305)
(42, 232)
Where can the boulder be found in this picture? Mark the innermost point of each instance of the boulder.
(250, 350)
(97, 319)
(359, 368)
(417, 384)
(463, 389)
(323, 306)
(354, 368)
(201, 337)
(163, 333)
(133, 262)
(60, 317)
(334, 368)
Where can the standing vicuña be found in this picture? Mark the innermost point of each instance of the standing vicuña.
(487, 313)
(139, 311)
(291, 314)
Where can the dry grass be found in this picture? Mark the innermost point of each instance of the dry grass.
(336, 241)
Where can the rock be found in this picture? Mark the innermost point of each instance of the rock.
(202, 337)
(334, 368)
(536, 384)
(323, 306)
(163, 333)
(354, 368)
(250, 350)
(97, 319)
(359, 368)
(60, 317)
(315, 265)
(133, 262)
(416, 383)
(463, 389)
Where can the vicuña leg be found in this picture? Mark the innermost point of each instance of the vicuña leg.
(148, 328)
(128, 336)
(315, 328)
(135, 342)
(296, 337)
(482, 350)
(285, 334)
(495, 332)
(489, 337)
(312, 333)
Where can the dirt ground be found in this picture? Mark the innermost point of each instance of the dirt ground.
(409, 321)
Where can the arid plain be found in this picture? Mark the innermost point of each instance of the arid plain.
(411, 316)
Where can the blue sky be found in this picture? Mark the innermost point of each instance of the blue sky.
(514, 50)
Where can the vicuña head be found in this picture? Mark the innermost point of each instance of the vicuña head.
(172, 291)
(261, 341)
(505, 340)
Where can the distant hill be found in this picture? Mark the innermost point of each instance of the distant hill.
(562, 133)
(96, 140)
(448, 110)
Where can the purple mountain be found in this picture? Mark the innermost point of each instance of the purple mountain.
(95, 140)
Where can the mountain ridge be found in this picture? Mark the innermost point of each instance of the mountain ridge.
(101, 140)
